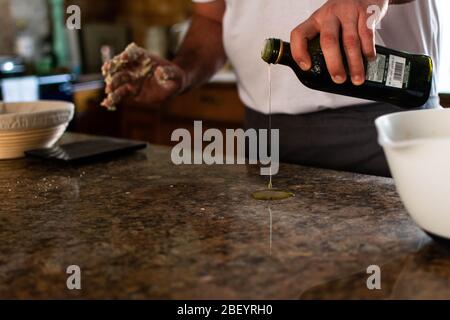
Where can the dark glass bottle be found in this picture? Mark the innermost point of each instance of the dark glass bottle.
(395, 77)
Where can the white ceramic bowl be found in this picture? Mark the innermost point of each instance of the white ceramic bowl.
(417, 147)
(32, 125)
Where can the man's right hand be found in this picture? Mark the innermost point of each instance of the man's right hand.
(348, 18)
(164, 82)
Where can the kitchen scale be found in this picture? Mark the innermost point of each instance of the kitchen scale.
(88, 150)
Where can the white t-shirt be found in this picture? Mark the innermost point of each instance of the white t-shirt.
(412, 27)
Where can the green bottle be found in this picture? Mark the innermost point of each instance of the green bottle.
(60, 43)
(394, 77)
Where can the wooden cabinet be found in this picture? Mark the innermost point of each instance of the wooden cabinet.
(141, 124)
(217, 105)
(445, 100)
(98, 10)
(213, 103)
(90, 117)
(139, 15)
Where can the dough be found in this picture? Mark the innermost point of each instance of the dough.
(139, 65)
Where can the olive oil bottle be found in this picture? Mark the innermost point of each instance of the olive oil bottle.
(394, 77)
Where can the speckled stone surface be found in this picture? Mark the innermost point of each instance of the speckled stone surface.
(140, 227)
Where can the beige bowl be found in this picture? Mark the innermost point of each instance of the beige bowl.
(33, 125)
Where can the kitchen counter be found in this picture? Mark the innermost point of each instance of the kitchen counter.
(140, 227)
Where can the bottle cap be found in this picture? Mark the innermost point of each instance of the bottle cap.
(271, 50)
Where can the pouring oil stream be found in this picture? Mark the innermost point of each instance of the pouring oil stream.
(271, 194)
(269, 73)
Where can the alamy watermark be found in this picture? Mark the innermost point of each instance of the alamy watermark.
(374, 280)
(235, 147)
(73, 281)
(73, 21)
(375, 14)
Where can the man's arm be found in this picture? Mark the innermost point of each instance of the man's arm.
(199, 57)
(202, 53)
(336, 18)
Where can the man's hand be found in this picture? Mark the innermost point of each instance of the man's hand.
(201, 55)
(349, 19)
(165, 81)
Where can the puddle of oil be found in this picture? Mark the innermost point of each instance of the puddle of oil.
(272, 195)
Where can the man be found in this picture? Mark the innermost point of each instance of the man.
(316, 128)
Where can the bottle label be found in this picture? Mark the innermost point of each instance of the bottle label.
(391, 71)
(396, 72)
(376, 69)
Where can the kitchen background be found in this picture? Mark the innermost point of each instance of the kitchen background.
(41, 59)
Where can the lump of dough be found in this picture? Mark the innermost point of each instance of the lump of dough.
(135, 58)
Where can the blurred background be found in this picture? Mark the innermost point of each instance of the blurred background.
(41, 59)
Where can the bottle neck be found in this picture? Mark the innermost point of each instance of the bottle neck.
(285, 55)
(277, 51)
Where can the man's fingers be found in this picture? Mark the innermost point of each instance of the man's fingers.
(299, 43)
(134, 55)
(118, 80)
(329, 41)
(352, 47)
(167, 77)
(367, 36)
(124, 91)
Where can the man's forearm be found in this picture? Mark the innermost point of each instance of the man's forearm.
(202, 53)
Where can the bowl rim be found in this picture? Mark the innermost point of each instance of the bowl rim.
(60, 112)
(387, 142)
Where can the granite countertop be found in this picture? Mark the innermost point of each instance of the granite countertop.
(140, 227)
